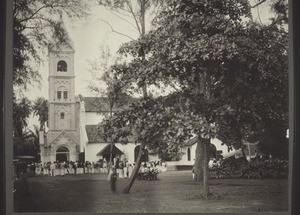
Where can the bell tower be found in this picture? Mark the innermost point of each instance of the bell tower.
(61, 85)
(63, 137)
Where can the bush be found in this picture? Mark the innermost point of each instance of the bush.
(256, 168)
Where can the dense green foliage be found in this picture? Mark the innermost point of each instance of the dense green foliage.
(229, 73)
(257, 168)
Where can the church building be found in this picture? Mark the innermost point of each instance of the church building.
(62, 141)
(73, 119)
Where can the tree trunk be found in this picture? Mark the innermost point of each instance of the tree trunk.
(206, 144)
(198, 170)
(111, 141)
(145, 95)
(143, 11)
(135, 170)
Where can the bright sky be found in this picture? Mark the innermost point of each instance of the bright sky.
(88, 35)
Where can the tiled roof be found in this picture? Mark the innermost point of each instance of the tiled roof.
(93, 134)
(106, 150)
(101, 104)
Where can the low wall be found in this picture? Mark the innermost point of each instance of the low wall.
(175, 166)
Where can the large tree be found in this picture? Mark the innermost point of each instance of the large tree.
(231, 70)
(134, 13)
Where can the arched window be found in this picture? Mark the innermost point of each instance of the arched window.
(65, 94)
(212, 151)
(145, 157)
(58, 94)
(62, 116)
(62, 66)
(62, 93)
(62, 154)
(189, 154)
(63, 150)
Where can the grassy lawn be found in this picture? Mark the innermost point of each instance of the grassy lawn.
(174, 192)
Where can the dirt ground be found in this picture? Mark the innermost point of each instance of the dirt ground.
(174, 192)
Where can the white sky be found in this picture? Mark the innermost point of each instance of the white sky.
(88, 35)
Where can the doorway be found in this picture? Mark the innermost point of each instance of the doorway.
(62, 154)
(145, 157)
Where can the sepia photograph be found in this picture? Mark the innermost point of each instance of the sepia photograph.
(151, 106)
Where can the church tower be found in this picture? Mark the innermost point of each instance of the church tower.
(62, 139)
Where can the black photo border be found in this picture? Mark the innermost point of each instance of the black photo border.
(6, 145)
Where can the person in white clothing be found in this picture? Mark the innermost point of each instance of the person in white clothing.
(52, 169)
(130, 168)
(62, 169)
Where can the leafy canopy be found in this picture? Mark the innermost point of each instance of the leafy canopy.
(229, 72)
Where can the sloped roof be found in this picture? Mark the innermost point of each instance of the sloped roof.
(101, 104)
(106, 150)
(191, 141)
(92, 132)
(93, 135)
(66, 134)
(96, 104)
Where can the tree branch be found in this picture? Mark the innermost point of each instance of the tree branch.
(113, 30)
(26, 19)
(136, 22)
(279, 19)
(120, 10)
(122, 18)
(262, 1)
(258, 14)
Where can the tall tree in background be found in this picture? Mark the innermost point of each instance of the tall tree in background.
(40, 109)
(137, 11)
(21, 112)
(230, 72)
(133, 13)
(109, 87)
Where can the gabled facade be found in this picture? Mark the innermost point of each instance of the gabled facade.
(93, 111)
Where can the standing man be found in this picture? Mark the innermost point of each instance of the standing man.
(52, 169)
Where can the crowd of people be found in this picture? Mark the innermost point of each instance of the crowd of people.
(122, 167)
